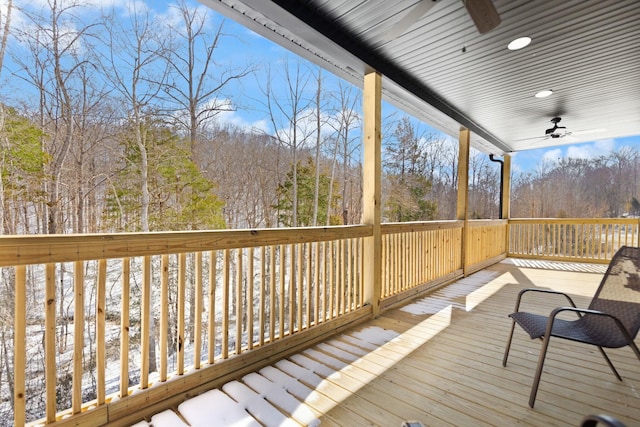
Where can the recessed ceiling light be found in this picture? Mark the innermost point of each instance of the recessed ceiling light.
(544, 93)
(519, 43)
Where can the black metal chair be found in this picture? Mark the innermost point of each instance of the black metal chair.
(611, 321)
(605, 420)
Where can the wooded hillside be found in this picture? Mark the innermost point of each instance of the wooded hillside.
(117, 126)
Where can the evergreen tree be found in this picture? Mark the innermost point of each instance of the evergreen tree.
(22, 163)
(635, 206)
(408, 186)
(306, 180)
(182, 198)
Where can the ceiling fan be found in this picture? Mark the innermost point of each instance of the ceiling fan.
(482, 12)
(557, 131)
(551, 132)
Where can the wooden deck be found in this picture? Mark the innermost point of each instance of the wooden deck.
(436, 360)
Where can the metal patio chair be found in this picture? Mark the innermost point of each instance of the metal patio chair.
(611, 321)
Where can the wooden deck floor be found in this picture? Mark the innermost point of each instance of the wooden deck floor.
(437, 360)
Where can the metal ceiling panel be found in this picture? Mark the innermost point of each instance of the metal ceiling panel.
(437, 66)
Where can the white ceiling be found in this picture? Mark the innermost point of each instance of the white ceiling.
(586, 51)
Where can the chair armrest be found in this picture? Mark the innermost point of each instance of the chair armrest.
(540, 290)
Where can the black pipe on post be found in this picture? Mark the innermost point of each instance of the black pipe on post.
(501, 180)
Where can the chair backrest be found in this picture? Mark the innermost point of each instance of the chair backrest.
(619, 290)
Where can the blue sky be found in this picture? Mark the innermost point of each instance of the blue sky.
(528, 160)
(241, 47)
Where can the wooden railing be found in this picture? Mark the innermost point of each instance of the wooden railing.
(486, 243)
(106, 320)
(586, 240)
(419, 255)
(126, 323)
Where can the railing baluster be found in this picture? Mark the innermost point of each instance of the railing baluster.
(300, 286)
(20, 347)
(250, 298)
(124, 328)
(281, 294)
(308, 287)
(182, 285)
(239, 303)
(349, 275)
(359, 271)
(332, 282)
(225, 304)
(385, 265)
(263, 284)
(325, 277)
(78, 335)
(340, 258)
(145, 327)
(199, 303)
(414, 259)
(292, 286)
(164, 316)
(316, 286)
(272, 294)
(50, 341)
(213, 268)
(101, 352)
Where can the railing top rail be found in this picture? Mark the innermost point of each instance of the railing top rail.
(407, 227)
(42, 249)
(487, 222)
(574, 220)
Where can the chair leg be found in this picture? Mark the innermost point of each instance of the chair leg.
(615, 372)
(506, 350)
(536, 379)
(633, 346)
(635, 349)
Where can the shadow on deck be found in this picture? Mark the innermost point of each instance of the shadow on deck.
(436, 360)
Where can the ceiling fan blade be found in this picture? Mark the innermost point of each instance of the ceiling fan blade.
(588, 131)
(540, 138)
(483, 13)
(414, 14)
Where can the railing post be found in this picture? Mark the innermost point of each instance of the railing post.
(462, 211)
(372, 170)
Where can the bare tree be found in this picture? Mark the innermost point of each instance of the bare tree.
(57, 53)
(289, 116)
(195, 85)
(346, 120)
(4, 28)
(138, 71)
(319, 123)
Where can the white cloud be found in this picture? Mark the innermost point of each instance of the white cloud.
(173, 17)
(592, 150)
(236, 120)
(587, 151)
(307, 122)
(552, 156)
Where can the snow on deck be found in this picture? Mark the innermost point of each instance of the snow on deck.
(352, 379)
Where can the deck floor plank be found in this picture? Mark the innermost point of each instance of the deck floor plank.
(438, 360)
